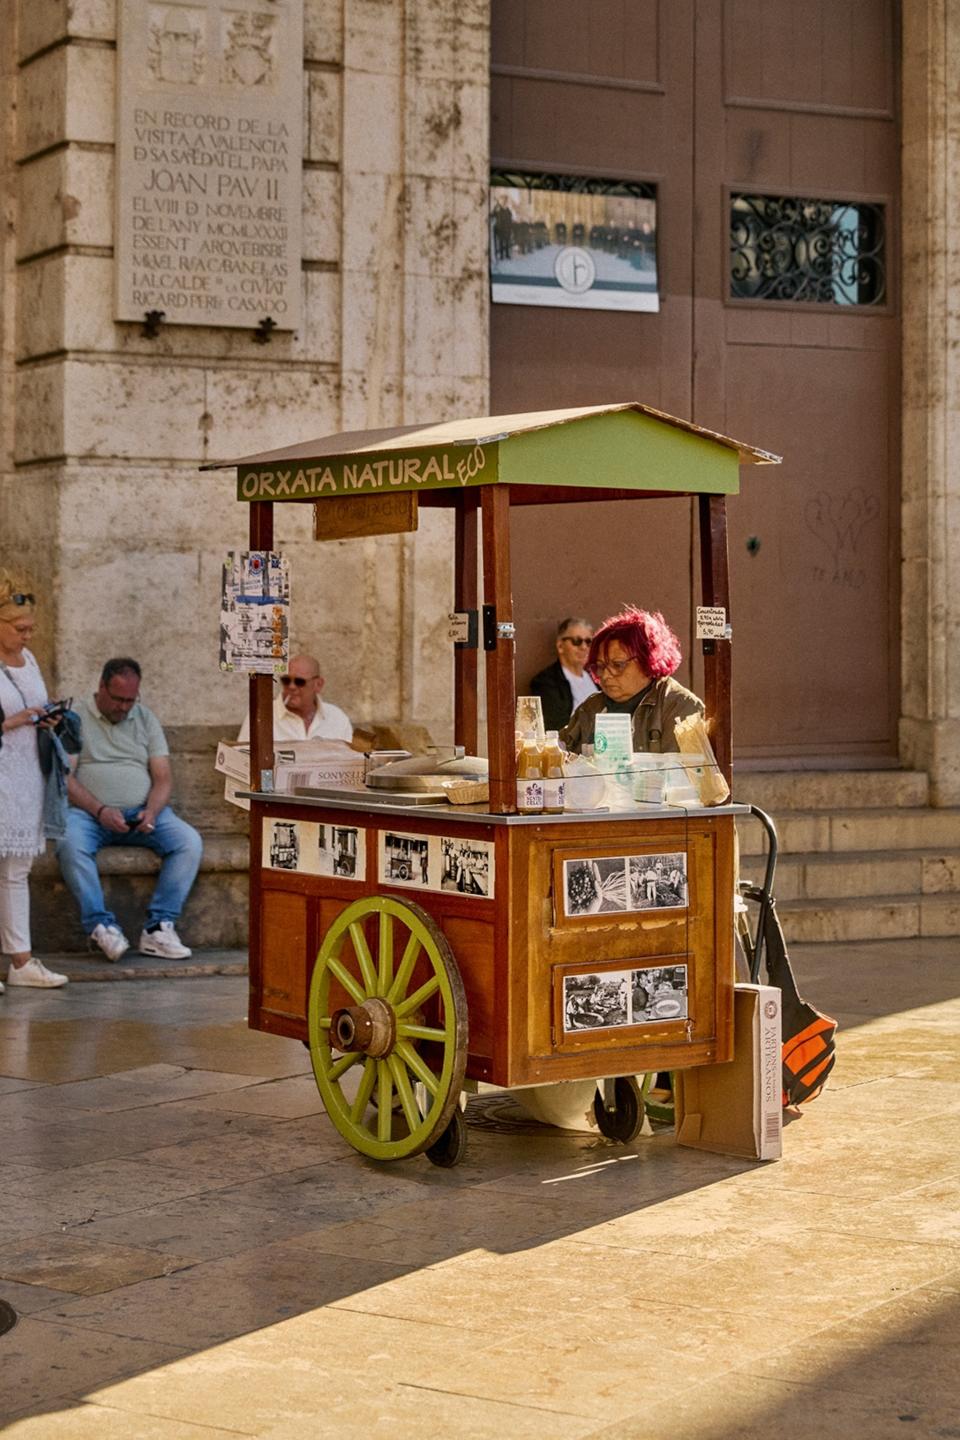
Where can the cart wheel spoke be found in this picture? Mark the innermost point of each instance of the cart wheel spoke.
(405, 1090)
(379, 1020)
(362, 951)
(419, 1067)
(402, 979)
(365, 1090)
(346, 980)
(385, 957)
(341, 1066)
(421, 1032)
(414, 1001)
(384, 1101)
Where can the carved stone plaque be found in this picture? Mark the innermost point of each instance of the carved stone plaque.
(209, 148)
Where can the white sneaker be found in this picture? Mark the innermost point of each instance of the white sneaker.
(1, 987)
(35, 974)
(111, 940)
(165, 942)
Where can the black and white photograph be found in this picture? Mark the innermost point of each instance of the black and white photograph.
(658, 882)
(405, 860)
(595, 886)
(344, 850)
(596, 1002)
(658, 993)
(466, 867)
(284, 849)
(296, 845)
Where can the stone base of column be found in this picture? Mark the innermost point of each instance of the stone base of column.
(934, 746)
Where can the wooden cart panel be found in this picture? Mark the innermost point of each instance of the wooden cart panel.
(524, 953)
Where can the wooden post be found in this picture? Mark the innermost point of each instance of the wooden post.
(465, 598)
(715, 583)
(501, 688)
(261, 686)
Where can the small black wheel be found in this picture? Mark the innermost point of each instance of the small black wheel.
(625, 1121)
(451, 1147)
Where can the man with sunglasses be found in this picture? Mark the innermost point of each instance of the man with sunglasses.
(298, 711)
(119, 795)
(565, 684)
(632, 658)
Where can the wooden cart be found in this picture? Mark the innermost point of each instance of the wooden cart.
(418, 949)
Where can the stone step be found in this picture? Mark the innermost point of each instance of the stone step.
(895, 917)
(854, 831)
(843, 875)
(777, 791)
(215, 914)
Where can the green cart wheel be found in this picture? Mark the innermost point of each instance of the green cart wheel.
(402, 1036)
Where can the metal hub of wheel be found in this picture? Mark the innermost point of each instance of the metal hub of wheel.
(402, 1032)
(370, 1028)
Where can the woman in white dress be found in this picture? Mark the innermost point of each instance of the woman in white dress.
(22, 698)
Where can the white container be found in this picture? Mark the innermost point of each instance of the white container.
(650, 774)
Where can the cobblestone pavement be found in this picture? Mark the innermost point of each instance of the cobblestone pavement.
(192, 1251)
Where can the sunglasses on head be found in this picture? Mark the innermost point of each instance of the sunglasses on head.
(21, 600)
(297, 680)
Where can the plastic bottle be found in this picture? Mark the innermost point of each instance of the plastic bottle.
(530, 777)
(553, 787)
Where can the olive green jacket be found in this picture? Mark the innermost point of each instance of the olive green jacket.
(665, 703)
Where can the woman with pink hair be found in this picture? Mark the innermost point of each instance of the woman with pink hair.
(632, 658)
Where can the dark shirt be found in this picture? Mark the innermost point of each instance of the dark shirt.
(556, 697)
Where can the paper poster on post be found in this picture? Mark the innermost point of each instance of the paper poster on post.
(254, 612)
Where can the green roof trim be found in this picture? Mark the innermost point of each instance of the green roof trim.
(621, 451)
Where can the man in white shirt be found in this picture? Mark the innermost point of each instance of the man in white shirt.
(565, 684)
(298, 711)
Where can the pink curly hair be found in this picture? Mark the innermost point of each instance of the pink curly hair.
(644, 635)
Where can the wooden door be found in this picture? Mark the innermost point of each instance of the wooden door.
(726, 107)
(600, 90)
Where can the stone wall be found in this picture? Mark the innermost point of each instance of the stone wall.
(101, 495)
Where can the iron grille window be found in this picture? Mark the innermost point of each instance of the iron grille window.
(784, 247)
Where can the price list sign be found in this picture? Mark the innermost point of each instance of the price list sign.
(209, 150)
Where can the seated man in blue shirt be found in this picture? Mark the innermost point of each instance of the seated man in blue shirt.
(119, 795)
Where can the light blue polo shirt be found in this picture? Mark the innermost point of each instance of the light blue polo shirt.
(113, 761)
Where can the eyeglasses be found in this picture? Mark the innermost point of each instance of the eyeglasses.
(576, 639)
(21, 600)
(123, 699)
(297, 680)
(616, 667)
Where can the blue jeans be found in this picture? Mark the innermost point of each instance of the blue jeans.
(173, 839)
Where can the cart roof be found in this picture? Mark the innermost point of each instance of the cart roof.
(624, 448)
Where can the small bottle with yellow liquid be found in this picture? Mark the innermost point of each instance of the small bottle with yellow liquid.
(530, 776)
(553, 787)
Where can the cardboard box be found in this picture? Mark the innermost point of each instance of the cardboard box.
(315, 763)
(737, 1108)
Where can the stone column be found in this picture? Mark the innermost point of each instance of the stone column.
(930, 722)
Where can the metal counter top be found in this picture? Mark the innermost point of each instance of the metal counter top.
(391, 808)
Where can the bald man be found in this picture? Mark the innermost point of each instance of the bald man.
(298, 711)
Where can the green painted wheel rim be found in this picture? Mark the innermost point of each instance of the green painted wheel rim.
(406, 935)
